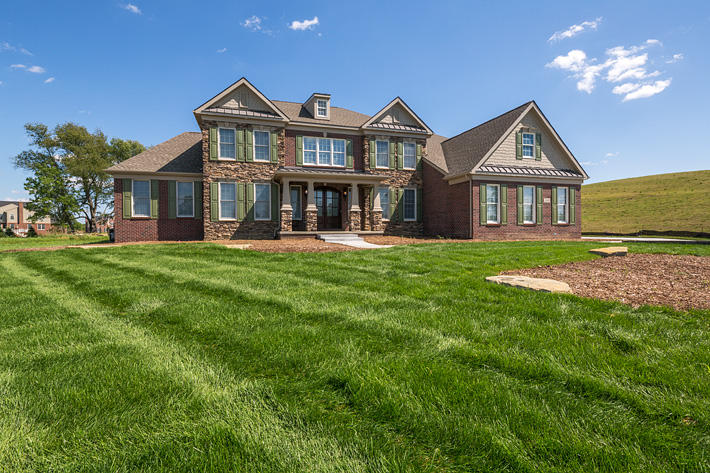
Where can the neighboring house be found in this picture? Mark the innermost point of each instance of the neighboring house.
(102, 224)
(14, 215)
(262, 168)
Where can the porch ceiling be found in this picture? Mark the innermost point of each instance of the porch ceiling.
(332, 175)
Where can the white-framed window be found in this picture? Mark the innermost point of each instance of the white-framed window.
(262, 201)
(528, 145)
(410, 204)
(323, 152)
(227, 200)
(339, 153)
(227, 143)
(40, 226)
(296, 203)
(410, 155)
(382, 154)
(321, 108)
(12, 216)
(262, 145)
(185, 195)
(310, 150)
(492, 203)
(528, 204)
(562, 205)
(384, 202)
(141, 198)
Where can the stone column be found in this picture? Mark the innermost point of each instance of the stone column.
(286, 209)
(311, 209)
(376, 215)
(354, 210)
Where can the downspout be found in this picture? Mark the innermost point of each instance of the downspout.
(470, 207)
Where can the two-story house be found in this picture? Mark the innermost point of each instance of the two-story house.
(262, 168)
(15, 216)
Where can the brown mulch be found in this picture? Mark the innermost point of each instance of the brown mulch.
(678, 281)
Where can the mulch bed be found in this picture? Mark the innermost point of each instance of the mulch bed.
(678, 281)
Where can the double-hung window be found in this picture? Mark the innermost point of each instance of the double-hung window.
(261, 145)
(185, 199)
(296, 203)
(492, 203)
(382, 151)
(562, 207)
(227, 200)
(528, 204)
(410, 204)
(528, 145)
(262, 201)
(227, 143)
(310, 150)
(323, 151)
(339, 153)
(321, 108)
(385, 202)
(40, 226)
(141, 198)
(410, 156)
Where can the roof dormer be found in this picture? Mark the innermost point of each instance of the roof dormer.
(318, 105)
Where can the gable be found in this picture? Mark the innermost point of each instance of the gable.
(241, 98)
(397, 116)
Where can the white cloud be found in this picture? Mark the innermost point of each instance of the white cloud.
(24, 51)
(304, 25)
(612, 155)
(648, 90)
(36, 69)
(572, 61)
(223, 50)
(49, 81)
(18, 66)
(252, 23)
(574, 30)
(1, 82)
(132, 8)
(675, 58)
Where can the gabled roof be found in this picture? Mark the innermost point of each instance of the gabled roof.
(209, 106)
(297, 113)
(420, 127)
(179, 155)
(434, 153)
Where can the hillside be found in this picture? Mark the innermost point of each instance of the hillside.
(663, 202)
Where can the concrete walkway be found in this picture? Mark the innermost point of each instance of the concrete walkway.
(647, 240)
(349, 239)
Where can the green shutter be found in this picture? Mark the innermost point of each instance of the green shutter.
(372, 154)
(250, 201)
(349, 154)
(554, 205)
(127, 199)
(213, 144)
(504, 204)
(420, 210)
(197, 189)
(249, 145)
(419, 157)
(154, 191)
(538, 147)
(392, 158)
(241, 201)
(572, 207)
(172, 199)
(275, 213)
(214, 201)
(274, 146)
(519, 199)
(299, 150)
(538, 202)
(393, 203)
(482, 203)
(400, 155)
(241, 150)
(519, 145)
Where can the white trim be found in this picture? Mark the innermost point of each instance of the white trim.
(268, 184)
(300, 201)
(219, 143)
(377, 166)
(177, 199)
(268, 146)
(533, 205)
(497, 220)
(133, 194)
(399, 101)
(317, 103)
(219, 201)
(404, 203)
(332, 152)
(404, 154)
(557, 199)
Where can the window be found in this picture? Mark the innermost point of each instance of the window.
(324, 151)
(329, 152)
(12, 216)
(227, 143)
(410, 155)
(382, 160)
(185, 199)
(385, 202)
(227, 201)
(528, 145)
(492, 201)
(40, 226)
(410, 204)
(562, 212)
(141, 198)
(261, 145)
(528, 204)
(322, 108)
(262, 201)
(296, 203)
(338, 152)
(309, 150)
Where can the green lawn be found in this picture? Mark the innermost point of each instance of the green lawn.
(16, 243)
(196, 357)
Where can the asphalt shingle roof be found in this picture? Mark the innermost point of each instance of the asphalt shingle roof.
(434, 153)
(181, 154)
(296, 112)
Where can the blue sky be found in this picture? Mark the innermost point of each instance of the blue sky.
(624, 83)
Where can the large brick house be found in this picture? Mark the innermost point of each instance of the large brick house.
(262, 168)
(15, 216)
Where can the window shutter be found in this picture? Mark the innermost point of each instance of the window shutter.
(172, 199)
(419, 157)
(518, 145)
(372, 154)
(554, 205)
(250, 145)
(420, 210)
(127, 199)
(213, 144)
(482, 203)
(154, 191)
(538, 147)
(214, 201)
(299, 150)
(400, 205)
(349, 154)
(250, 201)
(392, 162)
(241, 152)
(241, 201)
(572, 207)
(197, 192)
(274, 135)
(520, 205)
(538, 202)
(503, 204)
(400, 155)
(275, 214)
(393, 203)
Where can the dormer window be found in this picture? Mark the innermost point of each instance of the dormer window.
(322, 108)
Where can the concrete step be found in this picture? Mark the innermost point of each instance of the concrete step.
(338, 236)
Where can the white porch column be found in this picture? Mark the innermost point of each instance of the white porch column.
(376, 206)
(354, 197)
(286, 195)
(311, 197)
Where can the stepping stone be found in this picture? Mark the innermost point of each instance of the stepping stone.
(536, 284)
(240, 246)
(610, 251)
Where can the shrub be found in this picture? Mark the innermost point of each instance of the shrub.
(31, 232)
(9, 232)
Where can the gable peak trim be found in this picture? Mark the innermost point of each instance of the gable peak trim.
(398, 100)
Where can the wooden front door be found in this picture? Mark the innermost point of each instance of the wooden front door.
(328, 203)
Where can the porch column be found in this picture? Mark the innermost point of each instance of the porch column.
(376, 214)
(354, 211)
(311, 209)
(286, 209)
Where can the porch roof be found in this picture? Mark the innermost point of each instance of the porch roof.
(331, 175)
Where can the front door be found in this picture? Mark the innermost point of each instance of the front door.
(328, 203)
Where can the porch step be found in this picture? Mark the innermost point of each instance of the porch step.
(339, 236)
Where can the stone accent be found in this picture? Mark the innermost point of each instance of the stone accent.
(610, 251)
(536, 284)
(376, 220)
(286, 220)
(311, 220)
(354, 220)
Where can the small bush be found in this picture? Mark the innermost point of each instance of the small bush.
(9, 232)
(31, 233)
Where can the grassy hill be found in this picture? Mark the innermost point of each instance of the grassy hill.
(664, 202)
